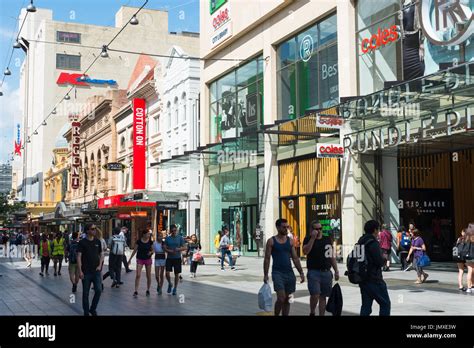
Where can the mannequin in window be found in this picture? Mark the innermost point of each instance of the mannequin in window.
(413, 48)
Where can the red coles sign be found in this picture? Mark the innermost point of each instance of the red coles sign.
(220, 19)
(139, 144)
(380, 39)
(75, 154)
(329, 151)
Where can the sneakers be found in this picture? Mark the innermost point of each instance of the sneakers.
(113, 285)
(158, 290)
(170, 287)
(174, 291)
(180, 278)
(222, 269)
(59, 273)
(55, 274)
(93, 313)
(135, 294)
(74, 287)
(469, 291)
(463, 289)
(41, 274)
(232, 268)
(148, 293)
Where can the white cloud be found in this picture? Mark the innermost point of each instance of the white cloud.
(7, 33)
(9, 117)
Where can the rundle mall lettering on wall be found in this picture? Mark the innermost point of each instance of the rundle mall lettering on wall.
(395, 128)
(75, 153)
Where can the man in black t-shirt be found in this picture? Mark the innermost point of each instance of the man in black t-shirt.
(320, 258)
(89, 258)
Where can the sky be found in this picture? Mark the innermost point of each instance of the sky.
(183, 16)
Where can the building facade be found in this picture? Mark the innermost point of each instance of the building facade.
(5, 178)
(56, 57)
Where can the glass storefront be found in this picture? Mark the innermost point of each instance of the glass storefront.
(237, 101)
(307, 70)
(233, 200)
(392, 45)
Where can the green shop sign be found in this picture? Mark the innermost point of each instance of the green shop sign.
(215, 4)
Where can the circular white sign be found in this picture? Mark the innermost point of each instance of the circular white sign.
(306, 48)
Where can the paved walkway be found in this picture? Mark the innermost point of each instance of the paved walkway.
(213, 292)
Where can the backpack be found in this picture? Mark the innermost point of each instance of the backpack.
(73, 252)
(118, 245)
(357, 263)
(405, 243)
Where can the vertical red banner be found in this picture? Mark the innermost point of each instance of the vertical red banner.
(139, 144)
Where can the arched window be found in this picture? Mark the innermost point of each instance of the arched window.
(92, 172)
(99, 168)
(122, 143)
(168, 107)
(183, 105)
(176, 111)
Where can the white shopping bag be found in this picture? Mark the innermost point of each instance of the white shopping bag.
(265, 298)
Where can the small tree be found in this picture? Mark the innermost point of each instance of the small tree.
(7, 208)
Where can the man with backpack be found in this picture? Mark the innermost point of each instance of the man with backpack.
(71, 257)
(364, 266)
(403, 246)
(117, 250)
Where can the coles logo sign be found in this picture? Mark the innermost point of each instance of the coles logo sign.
(380, 39)
(328, 121)
(330, 151)
(221, 18)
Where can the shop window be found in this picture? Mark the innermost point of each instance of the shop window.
(307, 76)
(236, 101)
(69, 62)
(183, 103)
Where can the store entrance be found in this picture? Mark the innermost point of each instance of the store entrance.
(436, 194)
(242, 225)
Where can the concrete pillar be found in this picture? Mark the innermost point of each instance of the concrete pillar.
(391, 213)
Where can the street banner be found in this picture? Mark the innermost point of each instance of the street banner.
(139, 144)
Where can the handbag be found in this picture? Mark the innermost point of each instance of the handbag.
(197, 256)
(424, 261)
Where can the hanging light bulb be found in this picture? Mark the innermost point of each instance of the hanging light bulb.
(104, 53)
(31, 7)
(54, 111)
(44, 123)
(23, 147)
(134, 20)
(67, 97)
(28, 140)
(1, 93)
(35, 132)
(7, 72)
(16, 44)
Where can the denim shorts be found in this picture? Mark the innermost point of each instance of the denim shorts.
(319, 282)
(284, 281)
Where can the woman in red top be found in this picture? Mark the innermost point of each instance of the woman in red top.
(45, 253)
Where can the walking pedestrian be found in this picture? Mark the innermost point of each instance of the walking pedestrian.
(45, 253)
(117, 250)
(58, 246)
(418, 249)
(71, 257)
(320, 257)
(90, 257)
(217, 242)
(460, 258)
(126, 235)
(280, 249)
(373, 287)
(468, 252)
(194, 246)
(28, 250)
(224, 246)
(144, 250)
(403, 246)
(160, 261)
(174, 245)
(385, 240)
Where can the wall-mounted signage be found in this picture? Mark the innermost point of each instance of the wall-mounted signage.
(222, 26)
(306, 48)
(329, 121)
(139, 144)
(114, 166)
(139, 214)
(167, 205)
(75, 79)
(380, 39)
(124, 216)
(118, 201)
(75, 154)
(18, 141)
(214, 5)
(452, 23)
(329, 151)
